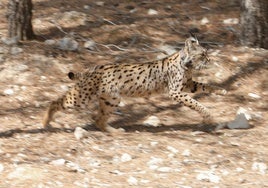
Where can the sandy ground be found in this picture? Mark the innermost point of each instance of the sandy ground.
(178, 153)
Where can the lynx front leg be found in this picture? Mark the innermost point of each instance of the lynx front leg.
(196, 87)
(193, 104)
(71, 99)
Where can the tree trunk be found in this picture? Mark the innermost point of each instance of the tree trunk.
(254, 23)
(19, 15)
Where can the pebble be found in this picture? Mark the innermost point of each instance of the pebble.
(132, 181)
(231, 21)
(125, 157)
(164, 169)
(204, 21)
(208, 176)
(8, 91)
(50, 42)
(152, 121)
(90, 44)
(99, 3)
(186, 153)
(58, 162)
(152, 12)
(154, 161)
(80, 133)
(234, 58)
(10, 41)
(254, 96)
(15, 50)
(172, 149)
(68, 44)
(261, 167)
(244, 111)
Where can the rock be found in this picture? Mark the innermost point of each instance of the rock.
(8, 91)
(234, 58)
(86, 7)
(154, 162)
(50, 42)
(132, 181)
(90, 44)
(204, 21)
(10, 41)
(152, 12)
(186, 153)
(99, 3)
(75, 167)
(80, 133)
(58, 162)
(240, 122)
(152, 121)
(172, 149)
(231, 21)
(68, 44)
(164, 169)
(15, 50)
(208, 176)
(125, 157)
(254, 96)
(244, 111)
(261, 167)
(153, 143)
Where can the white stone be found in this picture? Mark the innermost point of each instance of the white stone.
(58, 162)
(132, 181)
(238, 169)
(74, 167)
(10, 41)
(154, 161)
(208, 176)
(15, 50)
(99, 3)
(164, 169)
(68, 44)
(186, 153)
(234, 58)
(152, 12)
(125, 157)
(80, 133)
(153, 143)
(50, 42)
(8, 91)
(231, 21)
(90, 44)
(204, 21)
(261, 167)
(244, 111)
(254, 96)
(172, 149)
(152, 121)
(240, 122)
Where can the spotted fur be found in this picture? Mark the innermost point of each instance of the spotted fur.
(108, 83)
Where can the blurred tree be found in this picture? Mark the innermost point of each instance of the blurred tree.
(19, 16)
(254, 23)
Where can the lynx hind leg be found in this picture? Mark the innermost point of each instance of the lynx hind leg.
(193, 104)
(107, 105)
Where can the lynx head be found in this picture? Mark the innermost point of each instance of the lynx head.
(195, 56)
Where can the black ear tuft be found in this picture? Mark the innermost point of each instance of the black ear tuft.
(71, 75)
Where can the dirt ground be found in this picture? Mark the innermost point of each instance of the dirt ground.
(180, 152)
